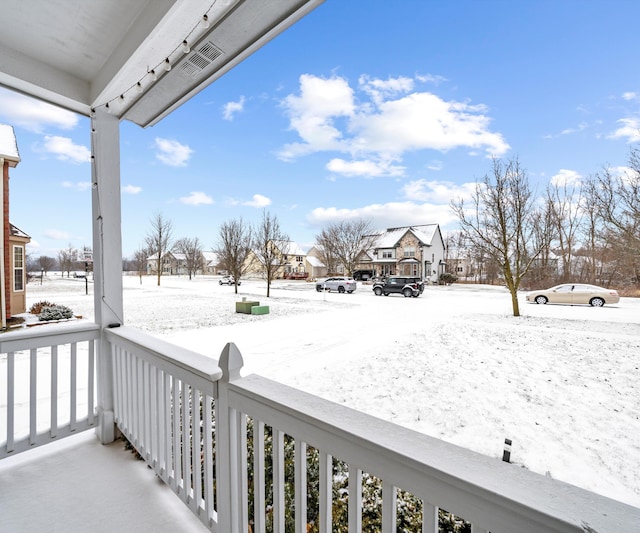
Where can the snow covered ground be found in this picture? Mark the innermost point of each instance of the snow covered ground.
(561, 381)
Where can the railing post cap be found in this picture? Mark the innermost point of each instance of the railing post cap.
(230, 362)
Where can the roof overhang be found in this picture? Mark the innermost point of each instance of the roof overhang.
(82, 55)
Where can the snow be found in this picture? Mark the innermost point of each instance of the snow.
(560, 381)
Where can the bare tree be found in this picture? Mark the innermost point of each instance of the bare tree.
(617, 200)
(158, 240)
(66, 259)
(235, 241)
(344, 241)
(46, 263)
(139, 262)
(565, 201)
(192, 250)
(504, 221)
(271, 245)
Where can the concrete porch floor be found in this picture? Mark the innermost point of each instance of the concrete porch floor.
(78, 485)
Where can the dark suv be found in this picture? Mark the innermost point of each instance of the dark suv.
(401, 285)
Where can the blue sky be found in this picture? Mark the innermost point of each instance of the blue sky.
(371, 109)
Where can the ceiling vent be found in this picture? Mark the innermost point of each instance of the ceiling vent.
(200, 59)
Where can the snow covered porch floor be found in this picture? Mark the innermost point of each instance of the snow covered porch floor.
(79, 485)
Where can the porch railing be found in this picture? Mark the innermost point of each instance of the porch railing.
(164, 401)
(490, 494)
(48, 373)
(248, 452)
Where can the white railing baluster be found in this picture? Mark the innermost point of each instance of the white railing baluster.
(243, 474)
(258, 477)
(176, 396)
(54, 393)
(325, 492)
(208, 460)
(91, 379)
(166, 401)
(389, 507)
(278, 480)
(11, 397)
(186, 444)
(73, 397)
(146, 410)
(195, 449)
(157, 418)
(154, 406)
(33, 395)
(300, 490)
(429, 518)
(355, 499)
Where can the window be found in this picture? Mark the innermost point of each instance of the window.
(459, 269)
(409, 251)
(387, 254)
(298, 258)
(18, 268)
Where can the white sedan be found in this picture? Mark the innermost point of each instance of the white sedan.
(338, 283)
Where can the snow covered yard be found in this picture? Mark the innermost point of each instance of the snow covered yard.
(560, 381)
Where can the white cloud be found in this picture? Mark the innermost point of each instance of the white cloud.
(197, 198)
(439, 192)
(57, 234)
(172, 152)
(581, 127)
(566, 177)
(385, 123)
(257, 200)
(65, 149)
(79, 185)
(387, 215)
(32, 114)
(313, 112)
(629, 95)
(364, 168)
(630, 130)
(131, 189)
(231, 108)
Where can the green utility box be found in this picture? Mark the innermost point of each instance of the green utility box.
(260, 310)
(245, 307)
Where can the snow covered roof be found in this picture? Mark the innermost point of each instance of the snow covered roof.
(389, 239)
(314, 261)
(291, 247)
(8, 145)
(17, 232)
(210, 257)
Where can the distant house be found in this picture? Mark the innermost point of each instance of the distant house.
(315, 264)
(407, 251)
(13, 279)
(290, 263)
(211, 264)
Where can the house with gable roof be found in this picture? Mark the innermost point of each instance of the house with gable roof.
(417, 251)
(13, 275)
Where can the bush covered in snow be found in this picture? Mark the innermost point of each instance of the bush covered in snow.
(55, 312)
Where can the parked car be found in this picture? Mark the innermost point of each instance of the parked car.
(228, 280)
(339, 283)
(573, 294)
(399, 285)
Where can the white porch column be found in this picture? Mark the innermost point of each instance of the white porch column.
(107, 255)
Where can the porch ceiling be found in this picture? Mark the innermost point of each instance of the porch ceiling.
(83, 54)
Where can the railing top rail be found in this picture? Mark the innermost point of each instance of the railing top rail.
(192, 362)
(48, 335)
(486, 491)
